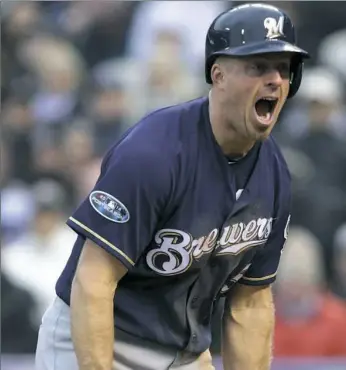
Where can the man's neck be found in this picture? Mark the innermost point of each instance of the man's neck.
(228, 139)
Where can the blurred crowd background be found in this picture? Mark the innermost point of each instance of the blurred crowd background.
(75, 75)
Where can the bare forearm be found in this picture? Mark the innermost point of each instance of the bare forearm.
(247, 337)
(92, 328)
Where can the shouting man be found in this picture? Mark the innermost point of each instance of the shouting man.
(192, 204)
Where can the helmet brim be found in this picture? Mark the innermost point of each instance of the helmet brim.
(264, 47)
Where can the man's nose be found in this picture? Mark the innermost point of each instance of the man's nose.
(274, 78)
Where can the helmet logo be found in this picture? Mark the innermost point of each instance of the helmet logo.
(274, 27)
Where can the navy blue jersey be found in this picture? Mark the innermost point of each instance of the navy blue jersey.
(185, 221)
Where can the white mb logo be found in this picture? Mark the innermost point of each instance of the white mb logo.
(274, 27)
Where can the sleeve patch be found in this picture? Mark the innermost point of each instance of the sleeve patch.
(109, 207)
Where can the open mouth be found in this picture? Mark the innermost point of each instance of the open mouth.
(265, 107)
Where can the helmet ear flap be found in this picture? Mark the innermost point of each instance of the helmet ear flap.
(208, 65)
(297, 67)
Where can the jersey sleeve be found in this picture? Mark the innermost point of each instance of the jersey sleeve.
(265, 263)
(122, 211)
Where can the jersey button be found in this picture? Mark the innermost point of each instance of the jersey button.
(194, 338)
(194, 301)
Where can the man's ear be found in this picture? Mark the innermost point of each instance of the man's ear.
(217, 73)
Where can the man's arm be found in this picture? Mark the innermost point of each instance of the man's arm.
(248, 325)
(92, 323)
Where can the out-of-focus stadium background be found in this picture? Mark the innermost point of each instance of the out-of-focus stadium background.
(75, 75)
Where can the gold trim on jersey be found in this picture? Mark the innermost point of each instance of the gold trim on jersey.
(109, 244)
(261, 278)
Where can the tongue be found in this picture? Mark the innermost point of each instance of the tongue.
(263, 108)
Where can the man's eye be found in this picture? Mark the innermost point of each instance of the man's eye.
(284, 69)
(258, 67)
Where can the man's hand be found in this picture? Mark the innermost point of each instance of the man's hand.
(248, 326)
(92, 322)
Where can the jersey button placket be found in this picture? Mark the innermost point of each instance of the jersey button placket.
(206, 319)
(194, 301)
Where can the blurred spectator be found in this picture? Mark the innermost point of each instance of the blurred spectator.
(18, 124)
(87, 177)
(20, 21)
(17, 210)
(310, 321)
(331, 17)
(36, 259)
(166, 78)
(21, 18)
(186, 20)
(108, 104)
(317, 159)
(332, 52)
(18, 326)
(339, 265)
(78, 149)
(50, 164)
(17, 206)
(81, 164)
(98, 28)
(320, 104)
(59, 70)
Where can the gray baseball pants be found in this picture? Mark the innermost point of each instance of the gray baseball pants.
(55, 348)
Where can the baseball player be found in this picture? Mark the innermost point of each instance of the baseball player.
(192, 205)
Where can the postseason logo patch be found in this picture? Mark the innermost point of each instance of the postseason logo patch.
(109, 207)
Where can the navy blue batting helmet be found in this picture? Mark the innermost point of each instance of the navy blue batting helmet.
(252, 29)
